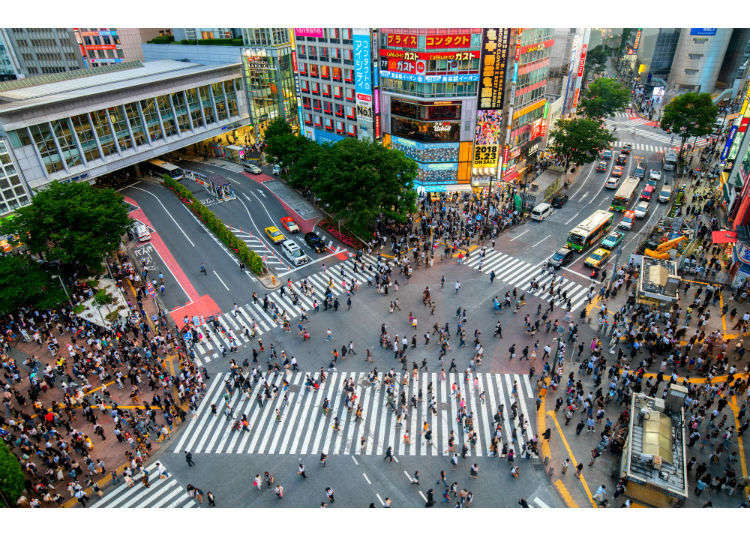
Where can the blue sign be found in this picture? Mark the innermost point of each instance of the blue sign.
(362, 71)
(430, 78)
(515, 72)
(323, 136)
(728, 145)
(375, 78)
(703, 31)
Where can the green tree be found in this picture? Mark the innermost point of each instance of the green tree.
(24, 282)
(73, 223)
(579, 141)
(604, 97)
(277, 127)
(12, 480)
(690, 114)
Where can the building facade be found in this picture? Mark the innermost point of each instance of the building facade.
(334, 77)
(203, 54)
(428, 86)
(268, 69)
(89, 125)
(655, 55)
(195, 34)
(37, 51)
(14, 192)
(101, 46)
(698, 58)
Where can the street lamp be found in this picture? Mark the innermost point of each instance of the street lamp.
(62, 284)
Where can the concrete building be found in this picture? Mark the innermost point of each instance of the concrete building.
(268, 69)
(36, 51)
(559, 61)
(334, 80)
(195, 34)
(203, 54)
(735, 64)
(100, 46)
(84, 125)
(655, 55)
(7, 64)
(14, 192)
(429, 81)
(698, 58)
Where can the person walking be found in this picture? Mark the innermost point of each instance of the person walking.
(189, 459)
(301, 471)
(329, 494)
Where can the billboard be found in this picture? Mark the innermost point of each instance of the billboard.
(407, 66)
(401, 40)
(408, 55)
(703, 31)
(308, 32)
(362, 72)
(495, 42)
(582, 61)
(426, 152)
(448, 41)
(487, 136)
(430, 78)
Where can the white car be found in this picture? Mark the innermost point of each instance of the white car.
(276, 169)
(612, 182)
(641, 209)
(294, 253)
(654, 174)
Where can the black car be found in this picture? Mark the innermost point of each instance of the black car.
(315, 242)
(558, 200)
(560, 257)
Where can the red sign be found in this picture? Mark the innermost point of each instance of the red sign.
(403, 54)
(421, 66)
(402, 40)
(743, 124)
(518, 44)
(582, 61)
(401, 66)
(448, 41)
(294, 61)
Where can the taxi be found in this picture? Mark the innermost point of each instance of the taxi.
(628, 219)
(601, 166)
(274, 234)
(612, 240)
(597, 258)
(289, 224)
(616, 171)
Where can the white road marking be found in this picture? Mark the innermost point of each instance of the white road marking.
(220, 280)
(368, 480)
(381, 500)
(542, 240)
(520, 235)
(580, 275)
(355, 460)
(168, 213)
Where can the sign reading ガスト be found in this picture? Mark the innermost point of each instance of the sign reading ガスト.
(495, 43)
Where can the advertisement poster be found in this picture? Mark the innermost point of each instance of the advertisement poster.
(309, 32)
(407, 66)
(448, 41)
(495, 42)
(703, 31)
(487, 135)
(401, 40)
(430, 78)
(408, 55)
(426, 152)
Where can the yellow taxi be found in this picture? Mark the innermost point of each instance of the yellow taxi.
(276, 236)
(597, 258)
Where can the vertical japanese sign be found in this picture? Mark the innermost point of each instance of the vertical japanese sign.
(495, 42)
(363, 82)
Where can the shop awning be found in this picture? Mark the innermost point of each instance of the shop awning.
(724, 237)
(511, 175)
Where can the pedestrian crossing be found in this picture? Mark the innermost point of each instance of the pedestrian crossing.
(642, 147)
(160, 493)
(520, 274)
(270, 257)
(237, 324)
(305, 430)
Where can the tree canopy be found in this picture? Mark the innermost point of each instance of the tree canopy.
(355, 180)
(23, 282)
(73, 223)
(12, 481)
(690, 114)
(579, 141)
(604, 97)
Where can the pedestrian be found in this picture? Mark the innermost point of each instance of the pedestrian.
(211, 498)
(279, 491)
(329, 494)
(189, 459)
(579, 470)
(389, 455)
(565, 465)
(301, 471)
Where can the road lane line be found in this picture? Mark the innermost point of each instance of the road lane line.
(368, 480)
(520, 235)
(220, 280)
(542, 240)
(167, 211)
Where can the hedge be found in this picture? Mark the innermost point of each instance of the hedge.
(247, 256)
(12, 480)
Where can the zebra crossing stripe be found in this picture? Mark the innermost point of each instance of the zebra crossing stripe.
(160, 493)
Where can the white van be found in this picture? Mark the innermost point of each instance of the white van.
(294, 253)
(541, 211)
(141, 232)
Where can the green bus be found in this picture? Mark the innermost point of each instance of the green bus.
(624, 194)
(590, 230)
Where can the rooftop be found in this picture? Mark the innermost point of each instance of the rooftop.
(80, 84)
(655, 278)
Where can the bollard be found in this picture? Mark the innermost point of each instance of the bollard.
(273, 279)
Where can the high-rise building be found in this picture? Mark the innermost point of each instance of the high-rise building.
(196, 34)
(269, 75)
(735, 62)
(8, 70)
(35, 51)
(655, 54)
(698, 58)
(100, 46)
(334, 76)
(429, 82)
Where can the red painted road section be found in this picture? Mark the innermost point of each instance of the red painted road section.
(305, 225)
(197, 304)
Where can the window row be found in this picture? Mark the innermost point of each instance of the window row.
(73, 141)
(329, 108)
(327, 90)
(340, 127)
(436, 89)
(337, 74)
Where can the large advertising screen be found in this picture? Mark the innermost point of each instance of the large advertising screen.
(426, 152)
(408, 55)
(437, 172)
(487, 136)
(495, 42)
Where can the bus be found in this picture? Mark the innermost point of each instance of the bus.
(160, 167)
(624, 194)
(670, 160)
(589, 230)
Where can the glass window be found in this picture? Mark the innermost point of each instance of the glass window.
(117, 116)
(221, 108)
(19, 138)
(136, 125)
(231, 98)
(195, 107)
(207, 106)
(151, 116)
(101, 125)
(85, 137)
(47, 148)
(167, 117)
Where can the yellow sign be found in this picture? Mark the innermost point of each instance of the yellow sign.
(485, 156)
(528, 109)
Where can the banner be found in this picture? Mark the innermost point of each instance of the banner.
(430, 78)
(495, 43)
(405, 66)
(401, 40)
(582, 61)
(308, 32)
(362, 71)
(408, 55)
(485, 156)
(703, 31)
(487, 135)
(448, 41)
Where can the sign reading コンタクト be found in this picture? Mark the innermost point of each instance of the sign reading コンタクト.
(495, 43)
(448, 41)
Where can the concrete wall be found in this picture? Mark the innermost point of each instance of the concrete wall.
(203, 54)
(693, 73)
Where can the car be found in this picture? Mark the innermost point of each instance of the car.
(621, 159)
(276, 169)
(560, 257)
(315, 242)
(641, 209)
(626, 148)
(651, 182)
(647, 193)
(558, 200)
(289, 224)
(251, 168)
(601, 166)
(654, 174)
(616, 171)
(611, 241)
(294, 253)
(640, 170)
(628, 219)
(612, 182)
(665, 194)
(607, 154)
(274, 234)
(597, 258)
